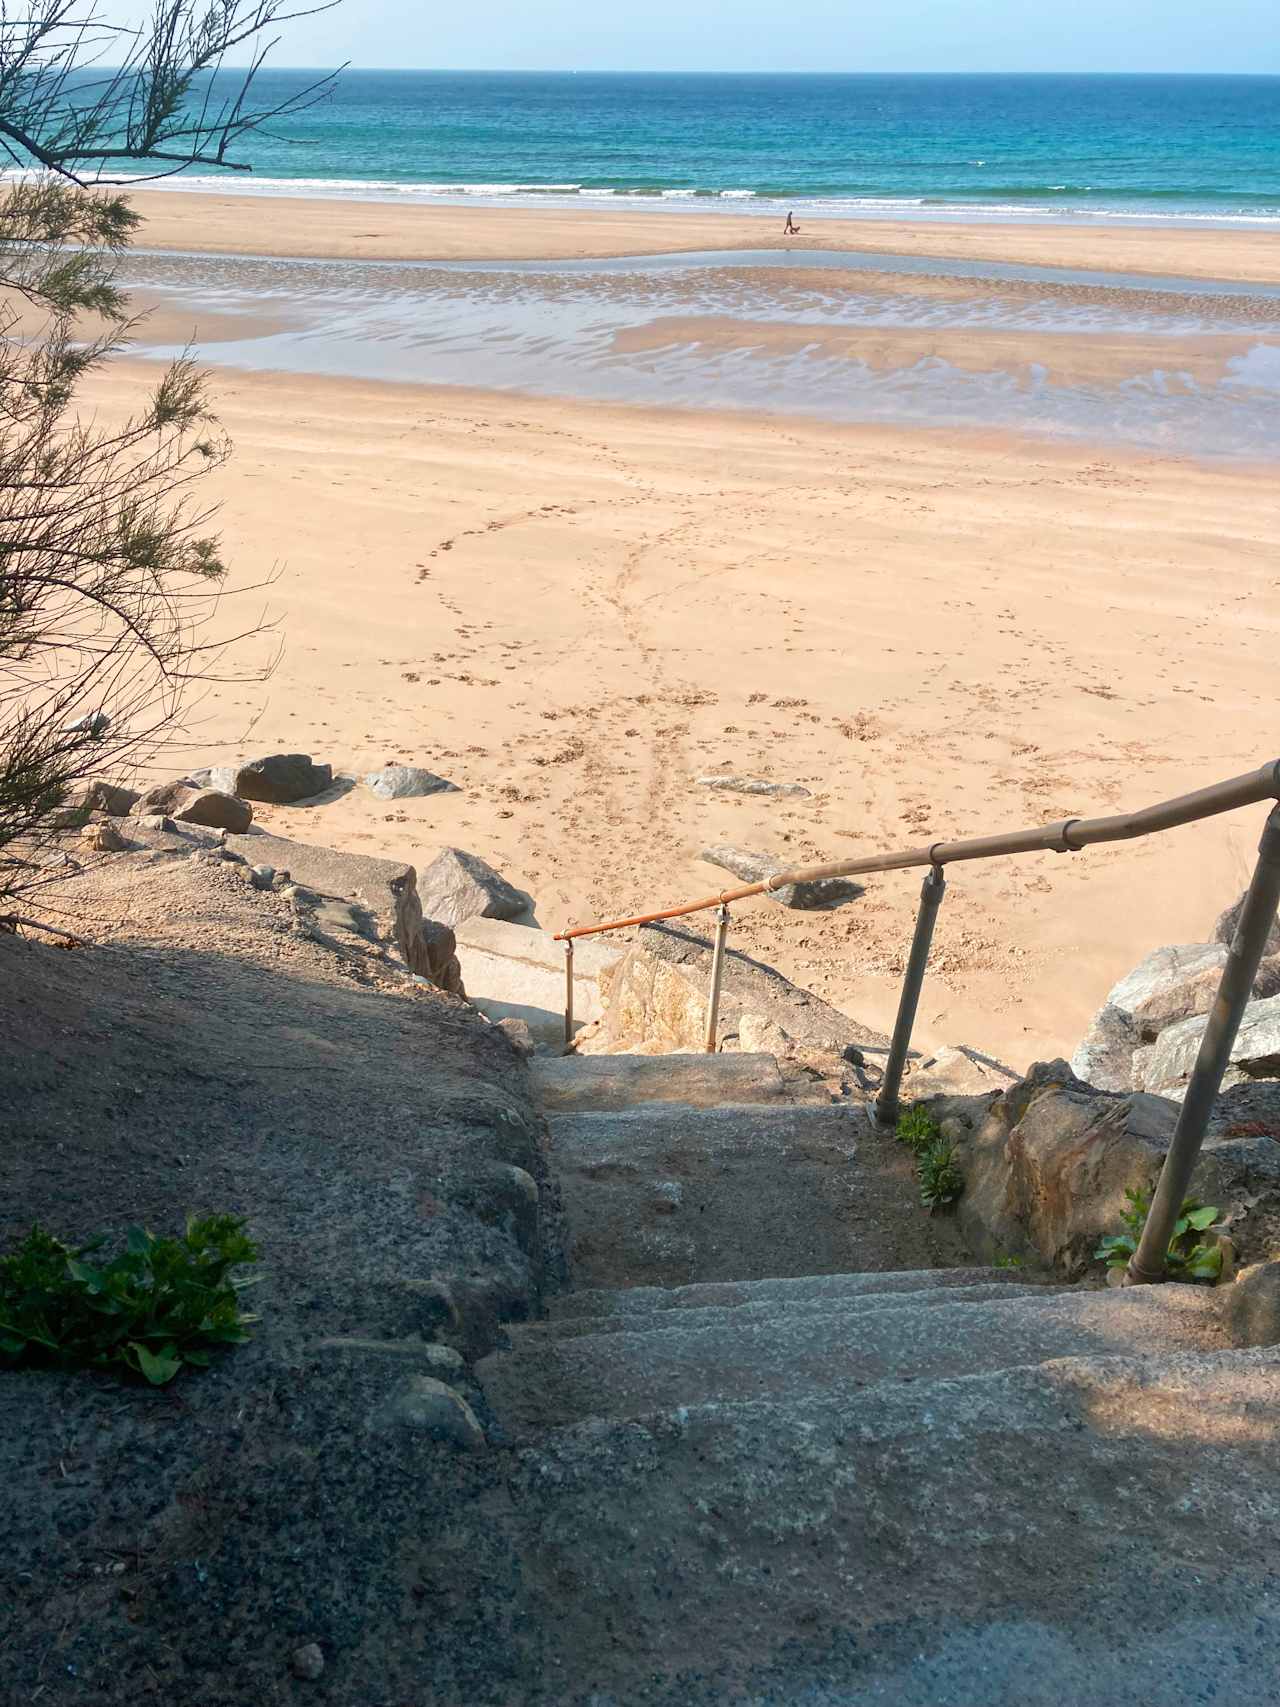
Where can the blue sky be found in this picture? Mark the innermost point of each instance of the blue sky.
(794, 35)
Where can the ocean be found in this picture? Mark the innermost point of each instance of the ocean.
(1155, 149)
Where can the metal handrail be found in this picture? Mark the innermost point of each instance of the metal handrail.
(1071, 835)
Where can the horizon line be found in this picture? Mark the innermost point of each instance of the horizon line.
(652, 71)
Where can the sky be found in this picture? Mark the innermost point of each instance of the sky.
(796, 35)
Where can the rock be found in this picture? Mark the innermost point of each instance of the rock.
(407, 782)
(1104, 1058)
(262, 876)
(164, 798)
(759, 1035)
(1225, 929)
(281, 778)
(103, 838)
(655, 999)
(1165, 1067)
(756, 785)
(458, 886)
(92, 723)
(388, 888)
(517, 1034)
(155, 821)
(1046, 1171)
(219, 811)
(956, 1071)
(1170, 985)
(758, 868)
(222, 777)
(109, 797)
(668, 1195)
(425, 1404)
(307, 1662)
(1254, 1305)
(514, 971)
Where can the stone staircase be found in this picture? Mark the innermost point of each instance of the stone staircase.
(754, 1463)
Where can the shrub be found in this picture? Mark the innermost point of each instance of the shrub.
(1188, 1257)
(157, 1305)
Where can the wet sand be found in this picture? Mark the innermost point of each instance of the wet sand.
(288, 225)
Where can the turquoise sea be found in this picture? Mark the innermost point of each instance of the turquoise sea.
(1153, 148)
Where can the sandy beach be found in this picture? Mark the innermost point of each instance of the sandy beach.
(573, 611)
(303, 226)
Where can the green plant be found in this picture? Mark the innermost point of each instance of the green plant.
(917, 1129)
(159, 1304)
(1006, 1259)
(941, 1181)
(1188, 1257)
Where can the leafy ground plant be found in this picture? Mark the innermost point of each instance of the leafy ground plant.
(941, 1181)
(1188, 1257)
(161, 1303)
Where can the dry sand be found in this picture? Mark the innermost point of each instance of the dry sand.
(289, 225)
(573, 611)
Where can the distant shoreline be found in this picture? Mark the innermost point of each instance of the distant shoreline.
(340, 228)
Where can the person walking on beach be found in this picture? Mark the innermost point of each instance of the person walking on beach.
(790, 229)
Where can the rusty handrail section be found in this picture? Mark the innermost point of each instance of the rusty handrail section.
(1070, 835)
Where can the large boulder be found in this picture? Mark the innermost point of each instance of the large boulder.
(1171, 985)
(406, 782)
(1047, 1170)
(1165, 1067)
(212, 807)
(955, 1071)
(1225, 929)
(163, 799)
(108, 797)
(281, 778)
(457, 886)
(758, 868)
(655, 999)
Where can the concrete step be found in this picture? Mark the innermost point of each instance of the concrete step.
(787, 1351)
(732, 1316)
(584, 1083)
(1086, 1529)
(628, 1304)
(667, 1194)
(517, 972)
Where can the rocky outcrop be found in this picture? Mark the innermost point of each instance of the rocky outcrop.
(406, 782)
(387, 887)
(1165, 1067)
(457, 886)
(282, 778)
(759, 868)
(1046, 1169)
(656, 997)
(1171, 986)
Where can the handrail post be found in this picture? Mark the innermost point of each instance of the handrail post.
(931, 893)
(1147, 1265)
(717, 975)
(568, 992)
